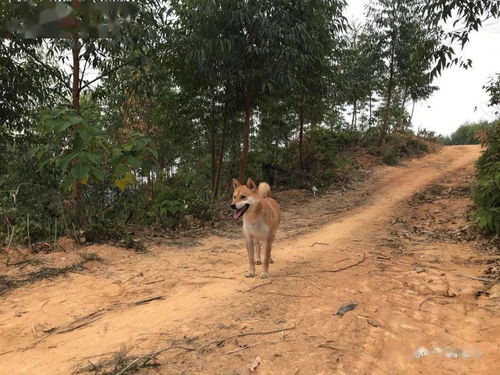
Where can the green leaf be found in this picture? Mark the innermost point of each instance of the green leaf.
(68, 183)
(128, 179)
(120, 170)
(97, 173)
(80, 171)
(63, 161)
(134, 162)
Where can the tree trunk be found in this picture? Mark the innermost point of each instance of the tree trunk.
(213, 154)
(412, 110)
(301, 135)
(370, 115)
(385, 125)
(354, 110)
(246, 134)
(75, 102)
(215, 191)
(76, 47)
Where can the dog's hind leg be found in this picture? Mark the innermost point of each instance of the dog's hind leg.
(257, 252)
(251, 262)
(267, 259)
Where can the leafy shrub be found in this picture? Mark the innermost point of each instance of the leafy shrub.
(486, 193)
(467, 134)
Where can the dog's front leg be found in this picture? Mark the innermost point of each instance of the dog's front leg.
(257, 251)
(267, 259)
(251, 261)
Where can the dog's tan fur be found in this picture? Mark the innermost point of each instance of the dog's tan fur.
(260, 221)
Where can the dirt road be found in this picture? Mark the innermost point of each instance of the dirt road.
(410, 286)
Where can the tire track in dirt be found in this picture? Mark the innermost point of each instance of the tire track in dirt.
(202, 298)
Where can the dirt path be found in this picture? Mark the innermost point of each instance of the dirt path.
(406, 286)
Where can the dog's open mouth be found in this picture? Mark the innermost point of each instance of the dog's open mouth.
(240, 211)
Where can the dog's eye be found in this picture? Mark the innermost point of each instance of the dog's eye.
(243, 196)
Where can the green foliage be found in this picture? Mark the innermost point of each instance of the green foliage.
(470, 15)
(82, 153)
(486, 192)
(493, 89)
(180, 98)
(467, 134)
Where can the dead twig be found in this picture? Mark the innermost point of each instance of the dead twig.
(80, 322)
(330, 347)
(347, 267)
(426, 300)
(319, 243)
(285, 295)
(479, 278)
(255, 287)
(148, 357)
(220, 277)
(246, 334)
(243, 348)
(144, 301)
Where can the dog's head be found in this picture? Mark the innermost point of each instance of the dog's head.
(243, 197)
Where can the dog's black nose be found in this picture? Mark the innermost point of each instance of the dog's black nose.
(233, 206)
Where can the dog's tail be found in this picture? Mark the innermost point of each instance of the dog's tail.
(264, 190)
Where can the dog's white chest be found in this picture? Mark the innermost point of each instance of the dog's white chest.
(259, 230)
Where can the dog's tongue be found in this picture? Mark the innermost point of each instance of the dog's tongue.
(238, 213)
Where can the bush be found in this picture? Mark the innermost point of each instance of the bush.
(486, 193)
(467, 134)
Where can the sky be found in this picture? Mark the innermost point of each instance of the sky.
(461, 97)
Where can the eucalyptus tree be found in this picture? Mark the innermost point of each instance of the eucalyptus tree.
(360, 68)
(308, 52)
(466, 16)
(407, 47)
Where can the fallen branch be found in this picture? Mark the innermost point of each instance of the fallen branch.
(285, 295)
(330, 347)
(246, 334)
(220, 277)
(144, 301)
(255, 287)
(319, 243)
(347, 267)
(148, 357)
(426, 300)
(243, 348)
(479, 278)
(80, 322)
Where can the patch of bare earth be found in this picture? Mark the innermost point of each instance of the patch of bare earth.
(410, 264)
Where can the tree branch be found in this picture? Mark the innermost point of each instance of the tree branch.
(106, 74)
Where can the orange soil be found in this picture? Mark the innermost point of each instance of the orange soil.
(408, 295)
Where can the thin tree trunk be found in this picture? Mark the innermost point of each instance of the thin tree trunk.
(412, 110)
(215, 191)
(383, 131)
(75, 102)
(213, 154)
(301, 134)
(370, 115)
(354, 110)
(246, 133)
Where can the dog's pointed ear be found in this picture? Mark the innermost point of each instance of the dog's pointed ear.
(236, 183)
(251, 185)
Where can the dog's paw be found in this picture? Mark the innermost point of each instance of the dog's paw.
(264, 275)
(258, 262)
(250, 274)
